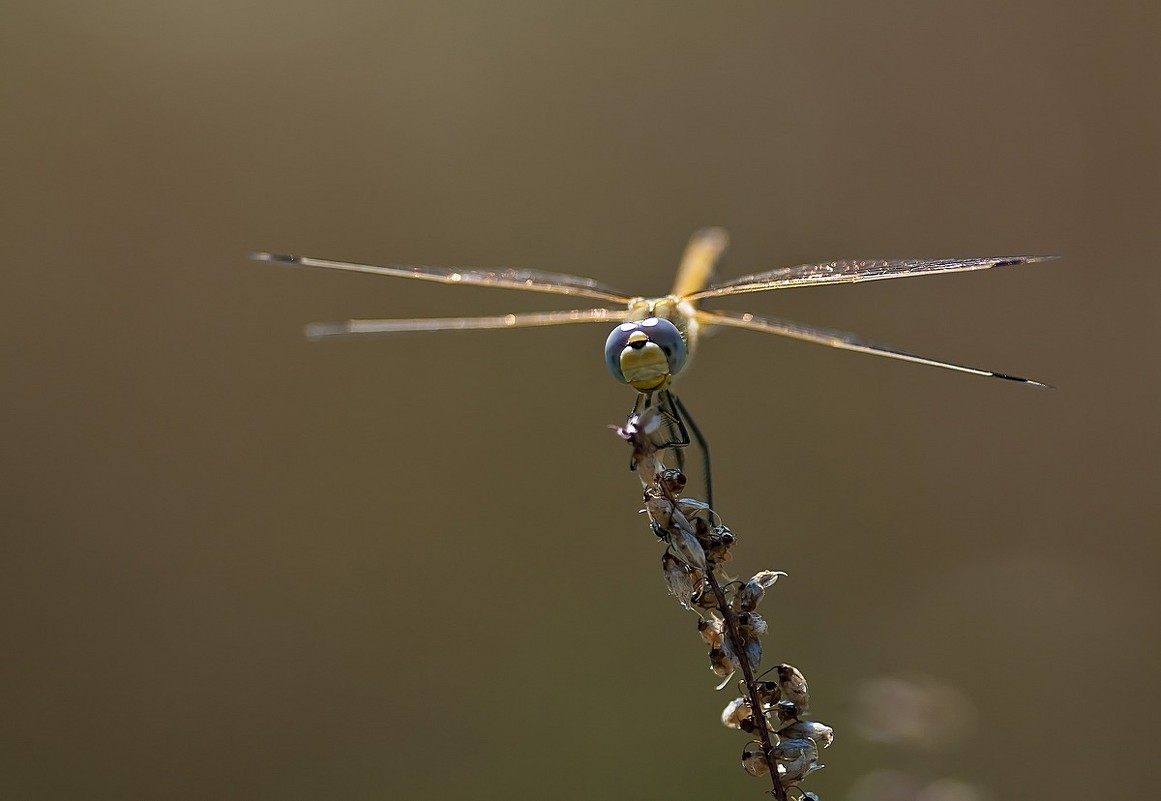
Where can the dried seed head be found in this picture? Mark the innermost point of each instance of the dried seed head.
(718, 544)
(722, 663)
(821, 734)
(678, 532)
(755, 763)
(794, 686)
(647, 435)
(710, 630)
(792, 749)
(750, 595)
(696, 510)
(645, 432)
(768, 692)
(681, 581)
(795, 770)
(783, 714)
(752, 625)
(736, 713)
(686, 547)
(660, 509)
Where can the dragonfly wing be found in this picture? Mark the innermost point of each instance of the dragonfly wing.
(528, 320)
(508, 278)
(842, 340)
(849, 272)
(700, 259)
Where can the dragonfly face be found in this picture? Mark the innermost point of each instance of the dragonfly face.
(645, 354)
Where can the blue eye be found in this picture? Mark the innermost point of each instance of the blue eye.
(645, 352)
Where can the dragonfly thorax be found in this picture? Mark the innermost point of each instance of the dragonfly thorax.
(673, 308)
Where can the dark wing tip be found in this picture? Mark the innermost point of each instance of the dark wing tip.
(1020, 380)
(1013, 260)
(281, 258)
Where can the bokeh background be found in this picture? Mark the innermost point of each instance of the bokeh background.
(240, 565)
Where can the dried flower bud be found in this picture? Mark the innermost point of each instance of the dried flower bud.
(792, 749)
(718, 543)
(782, 714)
(710, 630)
(755, 762)
(821, 734)
(721, 663)
(696, 510)
(752, 625)
(686, 547)
(795, 770)
(645, 432)
(793, 685)
(647, 435)
(736, 713)
(679, 579)
(679, 533)
(660, 510)
(752, 591)
(768, 692)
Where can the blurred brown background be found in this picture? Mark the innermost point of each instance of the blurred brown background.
(240, 565)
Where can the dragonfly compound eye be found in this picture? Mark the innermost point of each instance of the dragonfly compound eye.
(645, 353)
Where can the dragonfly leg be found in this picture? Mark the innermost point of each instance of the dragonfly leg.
(702, 445)
(676, 417)
(639, 405)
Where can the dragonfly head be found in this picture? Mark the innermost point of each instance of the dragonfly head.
(645, 354)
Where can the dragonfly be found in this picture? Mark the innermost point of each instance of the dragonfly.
(655, 337)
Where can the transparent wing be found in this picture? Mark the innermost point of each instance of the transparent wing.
(528, 280)
(529, 320)
(840, 339)
(849, 272)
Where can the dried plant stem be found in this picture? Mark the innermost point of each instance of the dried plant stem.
(730, 624)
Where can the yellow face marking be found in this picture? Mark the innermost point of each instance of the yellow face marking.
(644, 364)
